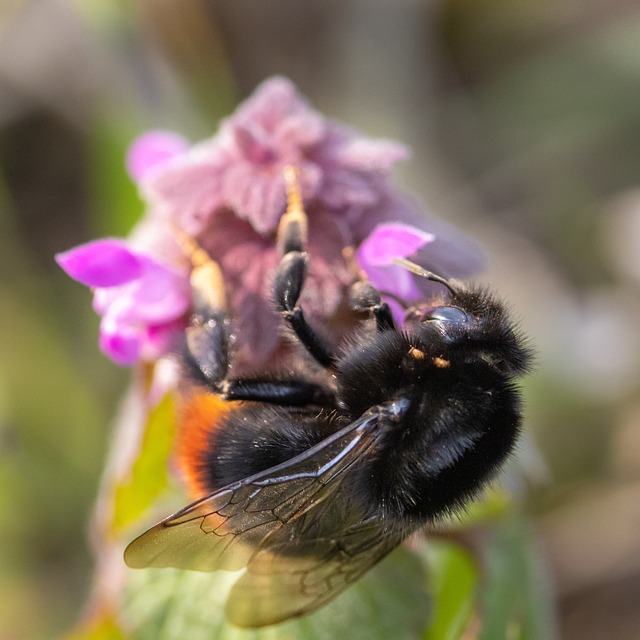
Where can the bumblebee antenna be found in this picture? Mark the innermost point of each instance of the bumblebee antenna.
(423, 273)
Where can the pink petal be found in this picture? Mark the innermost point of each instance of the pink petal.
(254, 145)
(160, 339)
(151, 149)
(391, 240)
(256, 196)
(300, 130)
(274, 122)
(190, 189)
(271, 103)
(452, 254)
(395, 280)
(161, 295)
(120, 342)
(101, 263)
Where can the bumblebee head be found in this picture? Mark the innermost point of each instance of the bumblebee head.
(469, 323)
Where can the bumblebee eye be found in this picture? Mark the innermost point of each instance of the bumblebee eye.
(448, 315)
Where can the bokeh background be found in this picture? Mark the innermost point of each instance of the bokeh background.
(524, 119)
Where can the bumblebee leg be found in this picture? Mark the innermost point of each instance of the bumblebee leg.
(206, 350)
(292, 271)
(365, 298)
(208, 337)
(207, 355)
(287, 286)
(292, 393)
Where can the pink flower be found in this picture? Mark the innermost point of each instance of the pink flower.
(241, 168)
(228, 192)
(142, 302)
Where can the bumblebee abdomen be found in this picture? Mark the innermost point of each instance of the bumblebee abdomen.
(256, 437)
(201, 414)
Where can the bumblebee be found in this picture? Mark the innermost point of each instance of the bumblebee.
(311, 479)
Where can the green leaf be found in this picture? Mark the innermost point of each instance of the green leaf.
(390, 601)
(149, 474)
(516, 601)
(453, 577)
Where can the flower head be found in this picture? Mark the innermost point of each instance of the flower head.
(241, 168)
(228, 193)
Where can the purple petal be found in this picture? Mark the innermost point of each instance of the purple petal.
(376, 253)
(344, 191)
(160, 339)
(101, 263)
(452, 254)
(158, 296)
(161, 295)
(120, 342)
(152, 149)
(389, 241)
(104, 297)
(142, 318)
(395, 280)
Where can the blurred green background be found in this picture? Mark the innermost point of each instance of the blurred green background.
(524, 119)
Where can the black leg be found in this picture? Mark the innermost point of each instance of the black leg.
(207, 339)
(206, 354)
(292, 271)
(286, 290)
(292, 393)
(206, 348)
(365, 298)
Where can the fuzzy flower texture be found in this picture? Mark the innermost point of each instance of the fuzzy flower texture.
(228, 193)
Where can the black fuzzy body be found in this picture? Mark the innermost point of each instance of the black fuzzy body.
(462, 418)
(308, 478)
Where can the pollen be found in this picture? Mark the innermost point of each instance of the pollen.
(441, 363)
(416, 354)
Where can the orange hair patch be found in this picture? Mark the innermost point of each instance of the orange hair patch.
(200, 414)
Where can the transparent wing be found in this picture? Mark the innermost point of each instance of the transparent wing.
(301, 540)
(292, 578)
(225, 529)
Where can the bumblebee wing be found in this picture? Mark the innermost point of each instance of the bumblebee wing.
(226, 529)
(295, 577)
